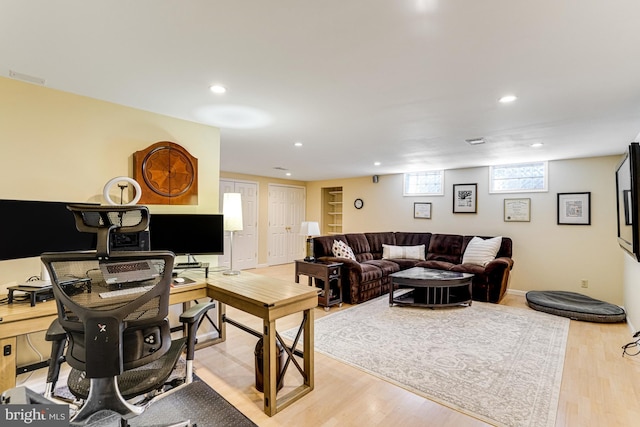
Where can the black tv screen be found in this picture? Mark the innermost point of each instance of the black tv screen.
(187, 234)
(627, 181)
(28, 228)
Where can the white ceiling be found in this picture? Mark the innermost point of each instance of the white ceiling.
(402, 82)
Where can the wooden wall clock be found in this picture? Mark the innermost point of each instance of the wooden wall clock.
(167, 174)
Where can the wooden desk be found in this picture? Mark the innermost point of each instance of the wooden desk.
(269, 299)
(20, 319)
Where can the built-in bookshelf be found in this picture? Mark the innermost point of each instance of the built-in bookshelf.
(332, 210)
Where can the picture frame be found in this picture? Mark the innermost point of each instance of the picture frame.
(574, 208)
(465, 198)
(422, 210)
(517, 210)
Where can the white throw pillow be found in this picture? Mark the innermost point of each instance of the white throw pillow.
(341, 250)
(481, 252)
(403, 252)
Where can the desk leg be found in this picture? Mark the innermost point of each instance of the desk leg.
(308, 348)
(8, 365)
(269, 366)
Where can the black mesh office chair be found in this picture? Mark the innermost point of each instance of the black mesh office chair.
(112, 310)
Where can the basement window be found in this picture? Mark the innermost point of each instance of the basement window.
(429, 183)
(518, 178)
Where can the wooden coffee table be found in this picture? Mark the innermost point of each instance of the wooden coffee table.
(430, 288)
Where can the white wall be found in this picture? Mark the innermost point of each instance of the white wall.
(547, 256)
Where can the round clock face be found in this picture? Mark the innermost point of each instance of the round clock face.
(168, 172)
(358, 203)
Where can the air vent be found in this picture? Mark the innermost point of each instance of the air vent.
(280, 168)
(26, 78)
(475, 141)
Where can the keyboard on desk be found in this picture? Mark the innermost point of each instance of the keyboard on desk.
(126, 291)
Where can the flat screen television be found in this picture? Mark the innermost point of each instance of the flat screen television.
(28, 228)
(628, 199)
(187, 234)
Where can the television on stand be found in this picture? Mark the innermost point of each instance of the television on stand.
(628, 201)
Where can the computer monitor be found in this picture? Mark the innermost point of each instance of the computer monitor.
(29, 227)
(187, 234)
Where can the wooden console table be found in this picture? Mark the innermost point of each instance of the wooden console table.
(269, 299)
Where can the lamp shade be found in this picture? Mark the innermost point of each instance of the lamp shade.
(309, 228)
(232, 211)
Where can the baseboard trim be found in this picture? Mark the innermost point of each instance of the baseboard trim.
(516, 292)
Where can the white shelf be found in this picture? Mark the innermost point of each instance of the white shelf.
(334, 213)
(335, 203)
(333, 193)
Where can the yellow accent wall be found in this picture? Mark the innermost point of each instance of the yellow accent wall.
(58, 146)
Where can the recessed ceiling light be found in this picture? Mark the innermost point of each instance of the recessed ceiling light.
(475, 141)
(288, 173)
(507, 98)
(298, 144)
(217, 89)
(376, 164)
(536, 145)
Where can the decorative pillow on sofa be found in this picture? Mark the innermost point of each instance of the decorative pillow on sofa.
(403, 252)
(341, 250)
(480, 251)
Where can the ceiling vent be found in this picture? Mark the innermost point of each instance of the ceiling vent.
(475, 141)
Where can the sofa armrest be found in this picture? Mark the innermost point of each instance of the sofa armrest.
(497, 264)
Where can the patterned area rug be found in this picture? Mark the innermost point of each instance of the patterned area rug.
(500, 364)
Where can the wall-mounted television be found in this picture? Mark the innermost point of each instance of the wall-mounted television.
(187, 234)
(29, 227)
(628, 199)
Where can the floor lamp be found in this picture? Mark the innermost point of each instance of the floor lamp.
(309, 229)
(232, 212)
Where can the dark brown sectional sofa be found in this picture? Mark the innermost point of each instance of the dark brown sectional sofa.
(368, 276)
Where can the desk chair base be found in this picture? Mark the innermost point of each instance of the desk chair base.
(104, 394)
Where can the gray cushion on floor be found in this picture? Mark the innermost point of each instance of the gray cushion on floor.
(575, 306)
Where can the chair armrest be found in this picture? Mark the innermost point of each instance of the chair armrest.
(195, 313)
(55, 332)
(192, 318)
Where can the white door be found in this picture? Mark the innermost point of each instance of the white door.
(286, 212)
(245, 242)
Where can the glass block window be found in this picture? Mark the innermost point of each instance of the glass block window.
(424, 183)
(520, 178)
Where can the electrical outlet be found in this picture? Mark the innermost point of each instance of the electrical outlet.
(584, 283)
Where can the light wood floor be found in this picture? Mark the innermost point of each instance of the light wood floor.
(599, 386)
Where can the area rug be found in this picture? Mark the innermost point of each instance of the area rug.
(196, 402)
(502, 365)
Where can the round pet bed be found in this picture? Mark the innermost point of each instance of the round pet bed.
(575, 306)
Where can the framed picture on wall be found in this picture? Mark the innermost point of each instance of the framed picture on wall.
(517, 210)
(574, 208)
(465, 198)
(422, 210)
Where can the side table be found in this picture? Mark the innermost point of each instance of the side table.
(331, 277)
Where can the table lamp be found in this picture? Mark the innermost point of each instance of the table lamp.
(232, 212)
(309, 229)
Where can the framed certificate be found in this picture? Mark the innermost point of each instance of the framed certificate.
(422, 210)
(517, 210)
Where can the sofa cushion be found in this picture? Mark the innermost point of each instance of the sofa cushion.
(377, 239)
(360, 246)
(403, 252)
(341, 250)
(480, 251)
(438, 265)
(445, 247)
(412, 239)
